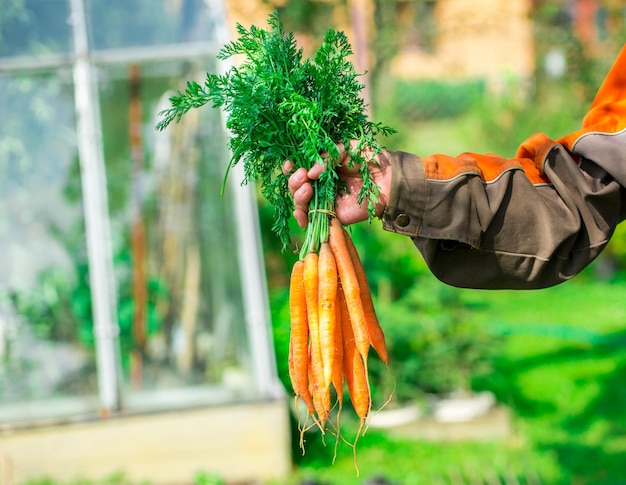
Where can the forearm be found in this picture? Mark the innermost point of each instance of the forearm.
(490, 222)
(531, 221)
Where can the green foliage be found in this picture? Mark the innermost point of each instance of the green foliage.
(434, 347)
(384, 457)
(310, 16)
(612, 262)
(204, 478)
(420, 100)
(59, 306)
(282, 106)
(506, 119)
(116, 478)
(564, 382)
(157, 294)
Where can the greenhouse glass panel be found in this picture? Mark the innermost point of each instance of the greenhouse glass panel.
(181, 309)
(46, 341)
(119, 24)
(121, 289)
(35, 27)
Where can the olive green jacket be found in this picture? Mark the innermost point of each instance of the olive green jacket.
(485, 221)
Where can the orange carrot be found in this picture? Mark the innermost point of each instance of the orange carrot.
(375, 331)
(327, 312)
(355, 368)
(337, 374)
(299, 336)
(337, 370)
(316, 372)
(350, 284)
(321, 399)
(333, 325)
(292, 370)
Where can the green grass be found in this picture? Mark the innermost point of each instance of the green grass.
(406, 461)
(566, 383)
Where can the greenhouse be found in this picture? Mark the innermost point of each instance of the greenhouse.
(133, 304)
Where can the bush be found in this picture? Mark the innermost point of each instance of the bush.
(433, 346)
(422, 100)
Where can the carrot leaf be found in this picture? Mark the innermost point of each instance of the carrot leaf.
(282, 106)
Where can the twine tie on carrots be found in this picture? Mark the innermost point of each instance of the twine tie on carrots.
(324, 211)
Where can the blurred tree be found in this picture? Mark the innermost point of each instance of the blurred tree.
(584, 37)
(309, 17)
(388, 24)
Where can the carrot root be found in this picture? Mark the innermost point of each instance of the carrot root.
(299, 336)
(333, 326)
(350, 284)
(327, 313)
(375, 331)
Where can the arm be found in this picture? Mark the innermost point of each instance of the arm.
(484, 221)
(509, 231)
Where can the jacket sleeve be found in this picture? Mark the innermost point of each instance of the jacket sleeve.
(532, 221)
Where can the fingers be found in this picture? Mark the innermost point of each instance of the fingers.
(299, 182)
(316, 171)
(300, 187)
(297, 179)
(301, 218)
(313, 173)
(301, 197)
(301, 190)
(288, 167)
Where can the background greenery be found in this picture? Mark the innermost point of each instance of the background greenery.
(554, 357)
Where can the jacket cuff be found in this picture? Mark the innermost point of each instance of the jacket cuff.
(407, 198)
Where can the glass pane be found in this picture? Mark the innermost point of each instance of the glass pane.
(123, 23)
(46, 341)
(180, 309)
(34, 27)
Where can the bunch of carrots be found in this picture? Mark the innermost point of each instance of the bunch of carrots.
(333, 326)
(283, 106)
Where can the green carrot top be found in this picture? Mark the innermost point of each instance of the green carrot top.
(281, 106)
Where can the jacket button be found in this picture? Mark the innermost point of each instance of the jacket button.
(403, 220)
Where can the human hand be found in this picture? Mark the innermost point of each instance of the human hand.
(347, 209)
